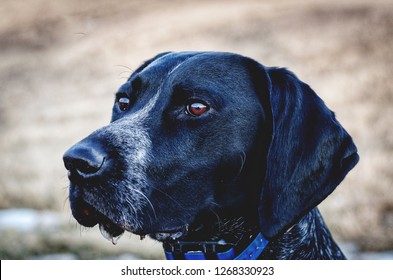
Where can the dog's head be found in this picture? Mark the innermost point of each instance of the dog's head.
(193, 133)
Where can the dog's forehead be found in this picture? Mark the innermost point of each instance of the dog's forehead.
(195, 63)
(224, 72)
(166, 63)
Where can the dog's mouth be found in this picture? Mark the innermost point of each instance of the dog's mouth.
(88, 216)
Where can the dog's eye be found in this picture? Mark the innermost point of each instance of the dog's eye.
(196, 109)
(124, 103)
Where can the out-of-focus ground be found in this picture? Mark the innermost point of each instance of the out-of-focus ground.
(61, 62)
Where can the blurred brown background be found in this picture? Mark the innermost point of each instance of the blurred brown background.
(62, 61)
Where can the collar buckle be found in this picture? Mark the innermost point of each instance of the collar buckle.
(245, 249)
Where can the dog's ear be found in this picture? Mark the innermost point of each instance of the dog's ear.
(309, 152)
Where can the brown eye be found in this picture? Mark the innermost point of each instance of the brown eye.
(124, 103)
(196, 109)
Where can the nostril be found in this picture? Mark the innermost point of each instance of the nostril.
(83, 165)
(83, 160)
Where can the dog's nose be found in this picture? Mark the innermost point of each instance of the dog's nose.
(83, 160)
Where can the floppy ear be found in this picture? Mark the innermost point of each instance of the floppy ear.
(308, 156)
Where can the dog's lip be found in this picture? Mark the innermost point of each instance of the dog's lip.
(88, 216)
(111, 231)
(85, 214)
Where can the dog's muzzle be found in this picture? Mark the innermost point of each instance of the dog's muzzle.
(84, 165)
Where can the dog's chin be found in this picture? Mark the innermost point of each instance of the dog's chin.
(170, 234)
(88, 216)
(113, 232)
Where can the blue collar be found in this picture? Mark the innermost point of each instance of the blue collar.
(178, 250)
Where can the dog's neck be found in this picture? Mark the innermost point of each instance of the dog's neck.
(225, 228)
(307, 239)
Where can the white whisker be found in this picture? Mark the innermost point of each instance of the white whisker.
(243, 158)
(147, 199)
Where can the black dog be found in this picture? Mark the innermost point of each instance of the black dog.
(216, 156)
